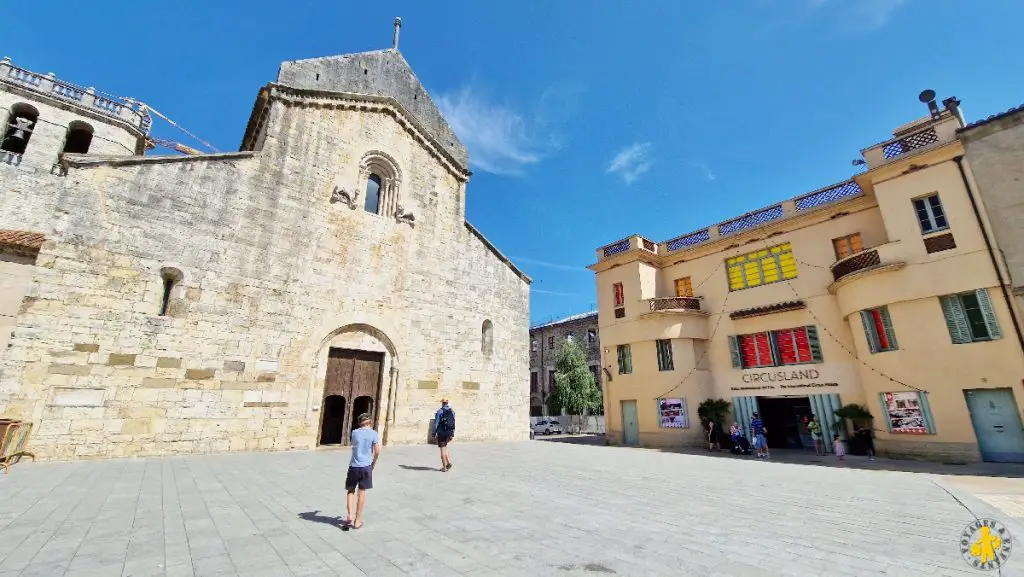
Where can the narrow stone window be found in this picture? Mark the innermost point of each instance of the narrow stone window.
(78, 138)
(20, 124)
(373, 186)
(487, 338)
(171, 277)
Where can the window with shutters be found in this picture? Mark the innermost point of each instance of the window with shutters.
(847, 245)
(684, 287)
(533, 382)
(970, 317)
(625, 359)
(591, 336)
(551, 381)
(620, 295)
(533, 345)
(930, 214)
(794, 346)
(878, 330)
(771, 265)
(664, 355)
(551, 342)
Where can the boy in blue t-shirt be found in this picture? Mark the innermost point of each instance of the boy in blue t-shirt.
(365, 451)
(757, 430)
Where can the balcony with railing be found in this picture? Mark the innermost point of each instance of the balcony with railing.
(881, 257)
(674, 304)
(127, 111)
(919, 137)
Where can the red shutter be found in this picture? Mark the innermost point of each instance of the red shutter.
(748, 352)
(619, 296)
(764, 350)
(883, 338)
(803, 346)
(787, 351)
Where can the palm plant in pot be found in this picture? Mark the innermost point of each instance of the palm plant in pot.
(860, 416)
(715, 410)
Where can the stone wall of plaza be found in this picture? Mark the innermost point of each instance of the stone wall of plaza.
(270, 266)
(544, 341)
(890, 274)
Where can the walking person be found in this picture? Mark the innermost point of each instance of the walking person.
(365, 452)
(713, 437)
(839, 447)
(444, 432)
(814, 427)
(866, 436)
(759, 433)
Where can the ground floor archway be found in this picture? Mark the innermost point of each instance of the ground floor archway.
(332, 428)
(351, 374)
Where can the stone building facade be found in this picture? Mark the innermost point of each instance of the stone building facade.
(994, 149)
(544, 341)
(253, 300)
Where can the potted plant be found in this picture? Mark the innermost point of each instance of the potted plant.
(858, 415)
(715, 410)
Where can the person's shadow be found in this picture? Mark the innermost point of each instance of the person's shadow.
(315, 517)
(417, 468)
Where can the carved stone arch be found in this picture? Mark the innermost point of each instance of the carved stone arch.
(385, 167)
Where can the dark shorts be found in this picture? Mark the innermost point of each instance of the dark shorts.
(443, 440)
(359, 477)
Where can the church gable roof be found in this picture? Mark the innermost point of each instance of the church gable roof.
(378, 73)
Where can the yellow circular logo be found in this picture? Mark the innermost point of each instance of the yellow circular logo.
(986, 544)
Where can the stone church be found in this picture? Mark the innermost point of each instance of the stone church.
(252, 300)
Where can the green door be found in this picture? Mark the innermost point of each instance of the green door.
(630, 426)
(997, 424)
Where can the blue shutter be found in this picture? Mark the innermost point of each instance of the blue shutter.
(890, 333)
(734, 351)
(956, 319)
(926, 413)
(885, 412)
(742, 409)
(989, 314)
(814, 343)
(869, 331)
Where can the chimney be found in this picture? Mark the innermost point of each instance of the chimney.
(398, 28)
(952, 104)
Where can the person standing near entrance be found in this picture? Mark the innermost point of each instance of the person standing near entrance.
(758, 431)
(365, 452)
(866, 439)
(814, 428)
(444, 432)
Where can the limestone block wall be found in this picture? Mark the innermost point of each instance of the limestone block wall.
(272, 272)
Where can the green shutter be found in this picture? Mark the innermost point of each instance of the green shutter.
(885, 412)
(734, 351)
(890, 333)
(989, 314)
(629, 359)
(618, 353)
(814, 343)
(926, 413)
(956, 319)
(869, 331)
(668, 355)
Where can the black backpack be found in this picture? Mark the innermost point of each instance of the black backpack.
(446, 424)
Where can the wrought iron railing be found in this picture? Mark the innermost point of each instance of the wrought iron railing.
(858, 262)
(910, 142)
(675, 304)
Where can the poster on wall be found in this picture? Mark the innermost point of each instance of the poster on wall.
(905, 413)
(672, 413)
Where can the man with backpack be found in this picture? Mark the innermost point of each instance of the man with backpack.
(444, 432)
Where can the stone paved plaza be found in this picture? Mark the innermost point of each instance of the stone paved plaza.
(529, 508)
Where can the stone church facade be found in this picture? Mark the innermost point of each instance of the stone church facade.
(254, 300)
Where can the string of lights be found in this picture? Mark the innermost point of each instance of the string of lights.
(809, 309)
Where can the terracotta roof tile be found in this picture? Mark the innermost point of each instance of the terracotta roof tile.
(992, 118)
(24, 239)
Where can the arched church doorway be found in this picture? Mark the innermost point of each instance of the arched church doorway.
(352, 374)
(332, 430)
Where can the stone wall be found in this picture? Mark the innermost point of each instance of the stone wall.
(544, 342)
(272, 272)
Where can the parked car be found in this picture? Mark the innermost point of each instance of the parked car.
(547, 427)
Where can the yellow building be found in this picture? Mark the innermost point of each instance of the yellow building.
(881, 290)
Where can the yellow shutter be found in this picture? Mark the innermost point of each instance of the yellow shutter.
(855, 244)
(683, 287)
(735, 276)
(842, 248)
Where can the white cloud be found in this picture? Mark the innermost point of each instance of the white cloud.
(632, 162)
(500, 139)
(552, 293)
(544, 263)
(863, 15)
(704, 170)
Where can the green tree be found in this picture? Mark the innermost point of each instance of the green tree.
(713, 410)
(575, 389)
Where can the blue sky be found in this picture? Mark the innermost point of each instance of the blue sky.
(585, 121)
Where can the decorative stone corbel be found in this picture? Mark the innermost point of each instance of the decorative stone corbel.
(402, 216)
(341, 195)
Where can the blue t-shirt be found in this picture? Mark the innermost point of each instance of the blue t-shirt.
(363, 440)
(756, 427)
